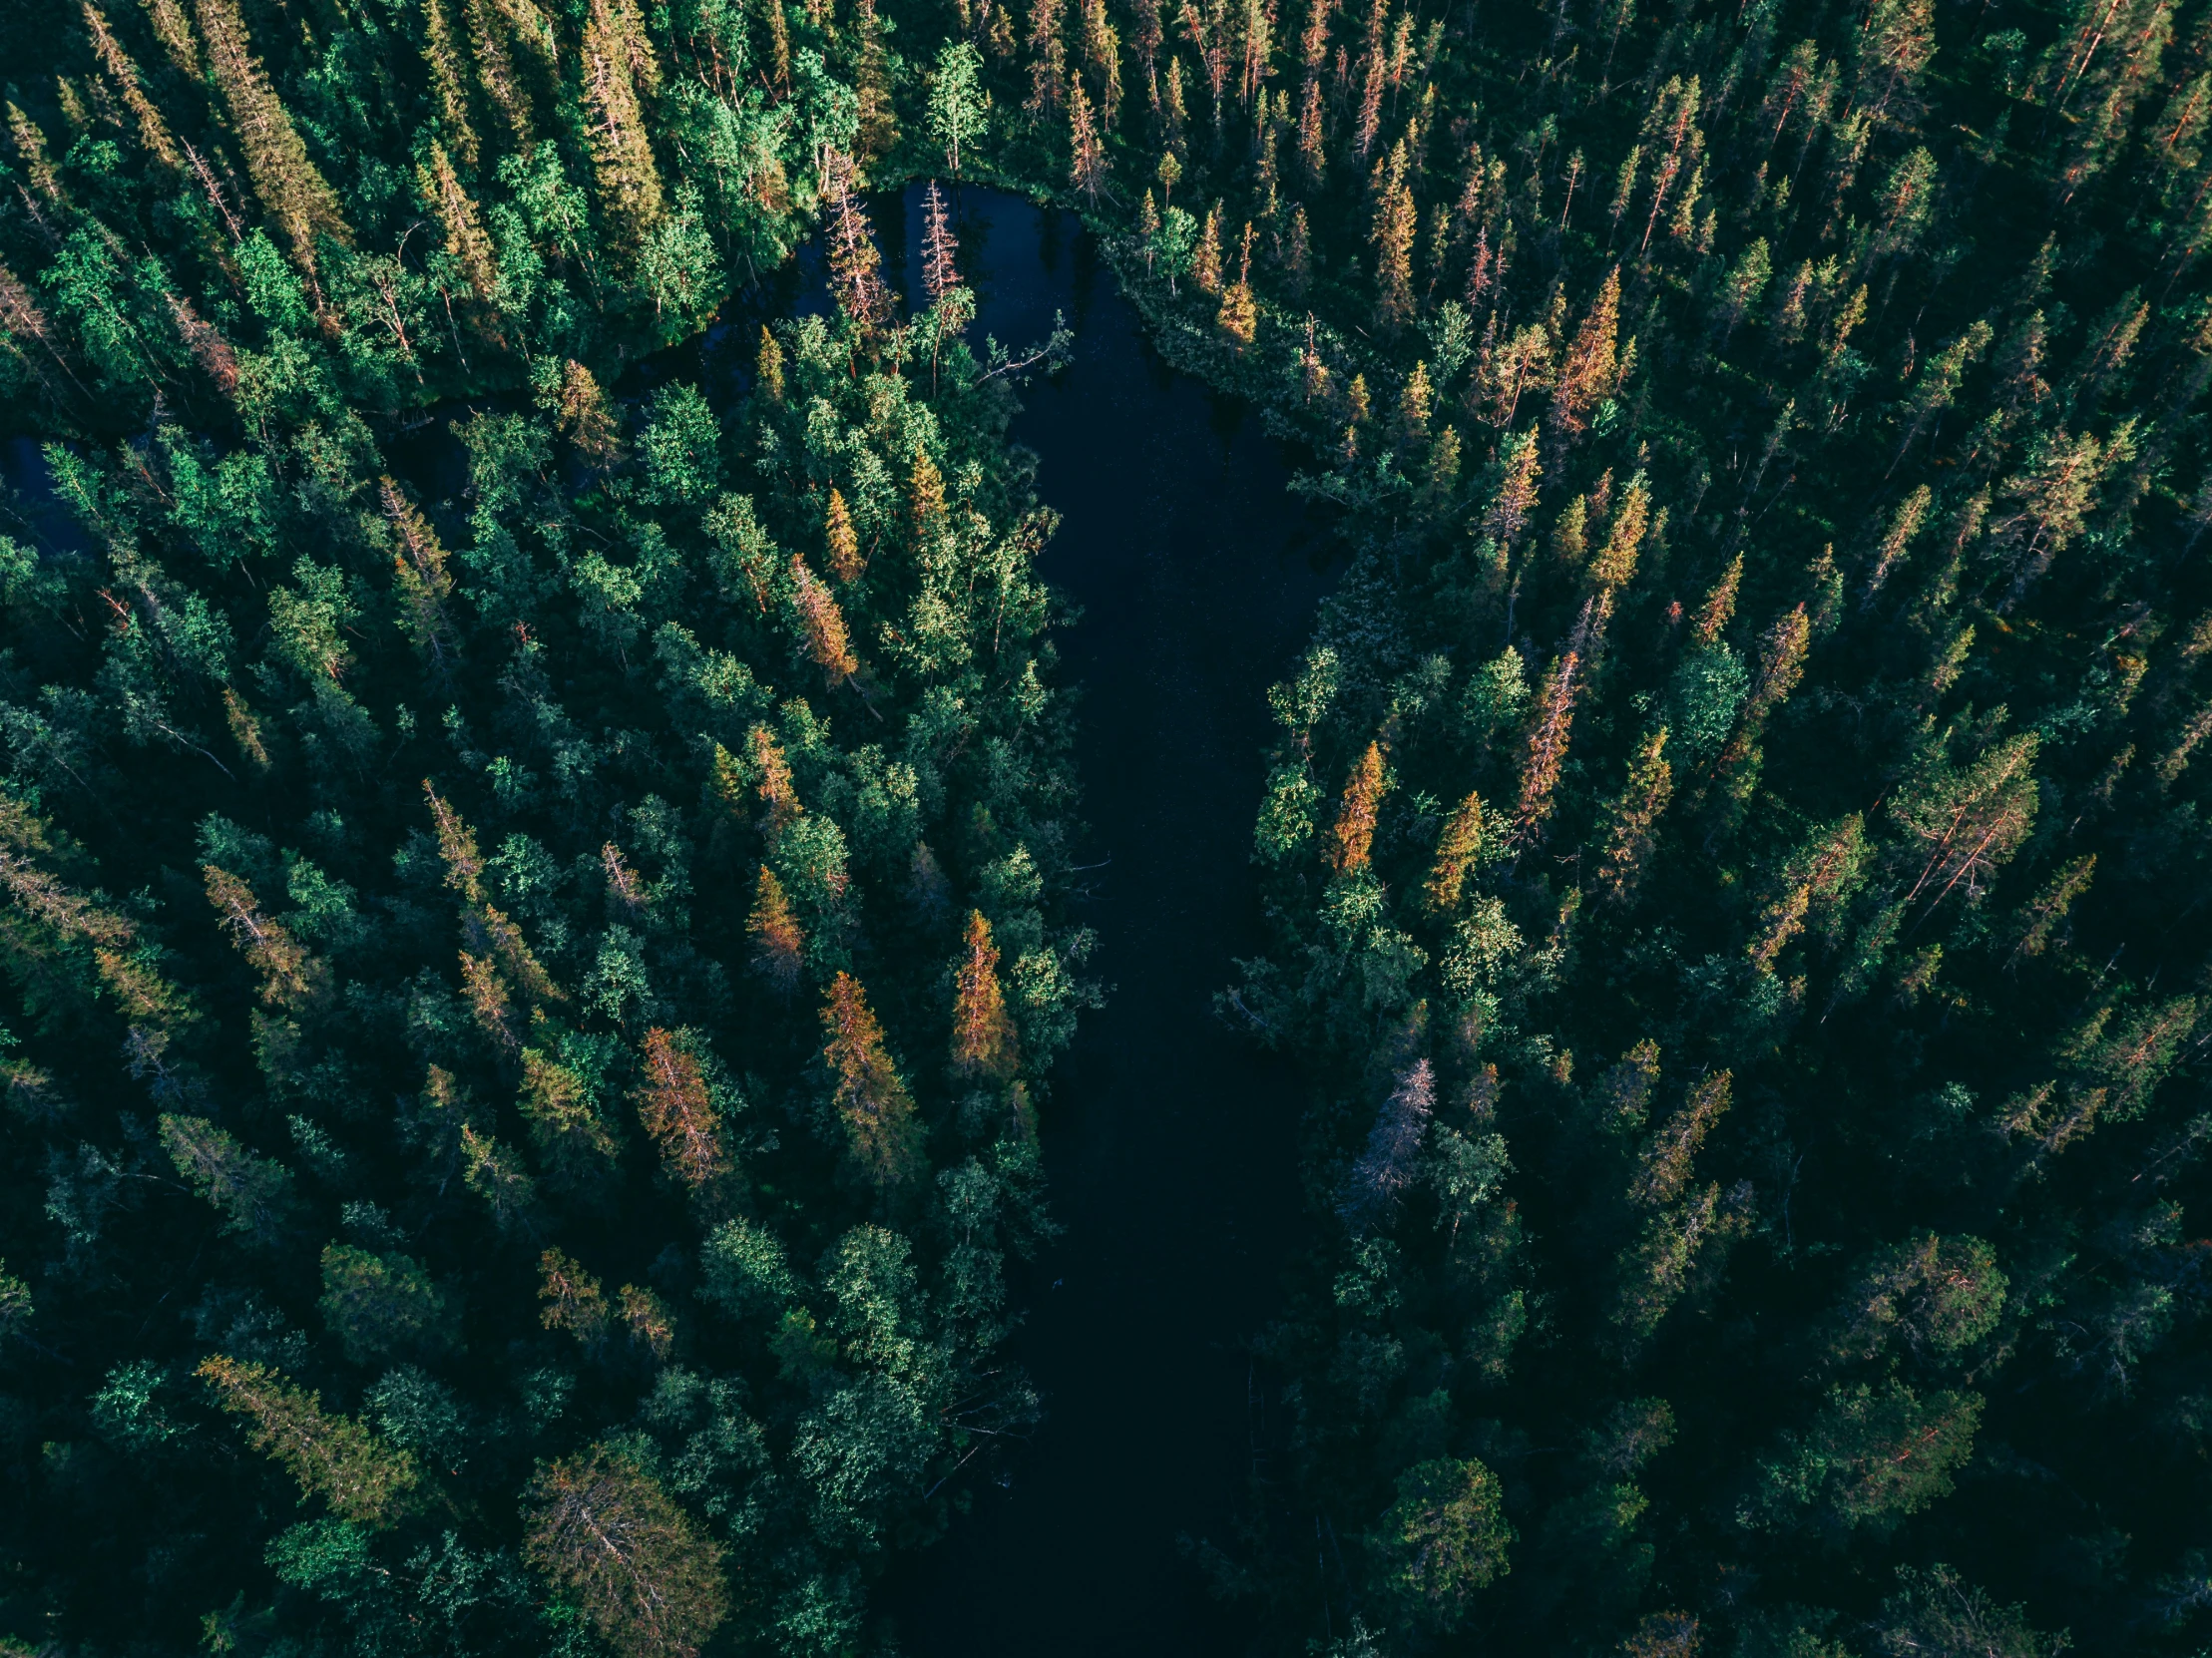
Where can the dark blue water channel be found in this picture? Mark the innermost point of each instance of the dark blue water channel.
(1169, 1143)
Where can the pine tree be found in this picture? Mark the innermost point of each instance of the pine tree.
(154, 136)
(878, 134)
(1205, 262)
(1352, 835)
(441, 55)
(290, 977)
(779, 797)
(423, 581)
(1048, 58)
(360, 1475)
(843, 543)
(645, 1577)
(1457, 849)
(958, 110)
(880, 1124)
(586, 420)
(1549, 733)
(1719, 607)
(1628, 833)
(299, 201)
(496, 30)
(940, 250)
(1397, 223)
(457, 216)
(1239, 314)
(856, 267)
(1298, 253)
(677, 1110)
(822, 623)
(1593, 365)
(1615, 563)
(1904, 525)
(495, 1174)
(1519, 471)
(982, 1036)
(573, 1142)
(571, 1299)
(254, 1192)
(1087, 156)
(767, 374)
(924, 495)
(1781, 665)
(616, 57)
(779, 945)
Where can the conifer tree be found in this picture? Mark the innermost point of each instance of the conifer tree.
(645, 1577)
(1719, 607)
(154, 136)
(856, 267)
(1205, 260)
(586, 420)
(1591, 368)
(299, 201)
(1629, 834)
(360, 1475)
(983, 1034)
(571, 1299)
(616, 57)
(419, 572)
(1352, 835)
(878, 1113)
(779, 798)
(1457, 849)
(940, 248)
(441, 55)
(779, 945)
(843, 543)
(823, 624)
(958, 106)
(1087, 156)
(254, 1192)
(457, 216)
(677, 1110)
(924, 495)
(1548, 732)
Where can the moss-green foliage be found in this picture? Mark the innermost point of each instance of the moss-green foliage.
(1845, 748)
(425, 1226)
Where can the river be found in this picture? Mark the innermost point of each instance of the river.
(1169, 1143)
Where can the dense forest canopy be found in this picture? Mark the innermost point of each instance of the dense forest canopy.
(536, 911)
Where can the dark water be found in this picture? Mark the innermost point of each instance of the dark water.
(1169, 1143)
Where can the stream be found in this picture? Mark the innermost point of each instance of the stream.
(1170, 1142)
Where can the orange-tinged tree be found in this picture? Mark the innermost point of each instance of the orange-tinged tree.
(983, 1034)
(1352, 835)
(779, 944)
(362, 1478)
(880, 1124)
(645, 1577)
(677, 1110)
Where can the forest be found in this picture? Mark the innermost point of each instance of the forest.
(543, 848)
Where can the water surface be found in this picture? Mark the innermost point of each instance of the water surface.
(1169, 1143)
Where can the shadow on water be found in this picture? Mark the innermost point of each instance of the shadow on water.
(1169, 1143)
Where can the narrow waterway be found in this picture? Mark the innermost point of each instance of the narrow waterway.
(1167, 1140)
